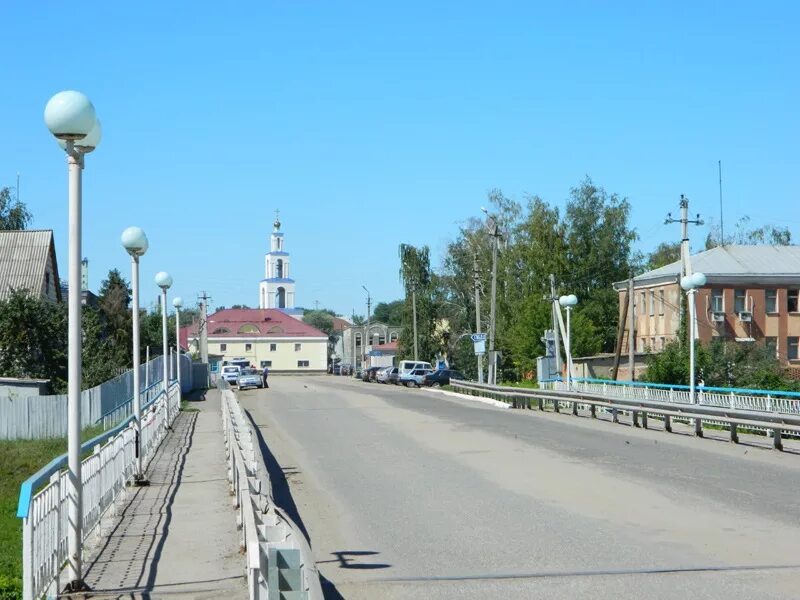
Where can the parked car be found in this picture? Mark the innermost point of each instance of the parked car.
(441, 377)
(382, 376)
(250, 378)
(370, 373)
(394, 376)
(414, 379)
(406, 366)
(230, 373)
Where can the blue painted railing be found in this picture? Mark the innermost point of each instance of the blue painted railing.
(32, 483)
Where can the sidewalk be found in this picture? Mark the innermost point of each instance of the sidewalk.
(177, 536)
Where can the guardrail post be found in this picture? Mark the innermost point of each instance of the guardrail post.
(614, 415)
(698, 427)
(634, 418)
(777, 442)
(541, 403)
(555, 405)
(593, 410)
(734, 433)
(575, 408)
(667, 423)
(644, 419)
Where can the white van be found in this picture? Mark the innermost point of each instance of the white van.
(406, 366)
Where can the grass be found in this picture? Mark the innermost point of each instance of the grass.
(19, 459)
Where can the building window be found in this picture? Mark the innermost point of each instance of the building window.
(223, 347)
(358, 339)
(652, 303)
(644, 303)
(771, 301)
(381, 340)
(297, 347)
(791, 300)
(717, 301)
(47, 283)
(661, 302)
(791, 347)
(663, 342)
(739, 301)
(771, 342)
(393, 336)
(302, 363)
(273, 347)
(248, 347)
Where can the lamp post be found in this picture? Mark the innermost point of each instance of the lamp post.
(568, 302)
(177, 302)
(70, 117)
(164, 281)
(690, 283)
(135, 242)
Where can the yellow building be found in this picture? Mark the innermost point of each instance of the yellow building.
(267, 338)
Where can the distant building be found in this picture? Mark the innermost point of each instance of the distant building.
(277, 289)
(264, 337)
(28, 261)
(354, 353)
(751, 296)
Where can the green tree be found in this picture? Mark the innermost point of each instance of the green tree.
(97, 349)
(665, 253)
(33, 339)
(114, 300)
(390, 313)
(417, 278)
(766, 234)
(13, 213)
(321, 320)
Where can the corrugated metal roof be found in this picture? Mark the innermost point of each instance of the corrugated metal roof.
(23, 260)
(754, 261)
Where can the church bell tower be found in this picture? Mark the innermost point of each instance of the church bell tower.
(277, 288)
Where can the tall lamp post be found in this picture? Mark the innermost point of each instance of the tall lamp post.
(568, 302)
(135, 242)
(177, 302)
(164, 281)
(690, 283)
(366, 331)
(70, 117)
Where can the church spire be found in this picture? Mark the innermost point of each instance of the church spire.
(277, 223)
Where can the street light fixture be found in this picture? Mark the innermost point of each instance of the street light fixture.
(164, 281)
(71, 118)
(494, 231)
(177, 302)
(568, 302)
(135, 242)
(690, 283)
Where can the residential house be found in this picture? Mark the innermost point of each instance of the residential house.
(28, 261)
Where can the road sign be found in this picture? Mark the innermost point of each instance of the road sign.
(479, 342)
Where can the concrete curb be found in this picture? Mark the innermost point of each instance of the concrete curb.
(489, 401)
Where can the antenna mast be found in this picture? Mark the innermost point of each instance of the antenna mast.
(721, 225)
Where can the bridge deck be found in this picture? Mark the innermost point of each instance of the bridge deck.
(178, 536)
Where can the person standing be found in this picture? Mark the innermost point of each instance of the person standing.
(264, 375)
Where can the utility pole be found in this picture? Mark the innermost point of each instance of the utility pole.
(631, 330)
(556, 332)
(366, 331)
(476, 281)
(493, 306)
(414, 310)
(204, 299)
(686, 260)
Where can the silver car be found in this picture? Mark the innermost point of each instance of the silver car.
(250, 378)
(414, 379)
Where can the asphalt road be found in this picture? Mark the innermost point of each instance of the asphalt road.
(414, 494)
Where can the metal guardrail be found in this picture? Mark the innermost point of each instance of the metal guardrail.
(278, 557)
(104, 474)
(778, 423)
(735, 398)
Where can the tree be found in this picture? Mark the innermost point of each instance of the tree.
(390, 313)
(33, 339)
(416, 275)
(665, 253)
(766, 234)
(115, 324)
(321, 320)
(13, 213)
(359, 320)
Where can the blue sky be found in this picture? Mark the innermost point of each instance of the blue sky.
(373, 123)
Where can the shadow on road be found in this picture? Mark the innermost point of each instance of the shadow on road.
(282, 496)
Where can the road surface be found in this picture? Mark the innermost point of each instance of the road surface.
(415, 494)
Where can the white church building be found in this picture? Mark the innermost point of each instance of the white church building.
(277, 289)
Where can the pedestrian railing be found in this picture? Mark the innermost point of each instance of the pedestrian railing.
(619, 400)
(279, 562)
(44, 500)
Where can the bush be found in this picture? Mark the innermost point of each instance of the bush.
(10, 588)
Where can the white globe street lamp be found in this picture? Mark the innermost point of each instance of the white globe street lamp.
(177, 302)
(70, 117)
(568, 302)
(135, 243)
(164, 281)
(690, 284)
